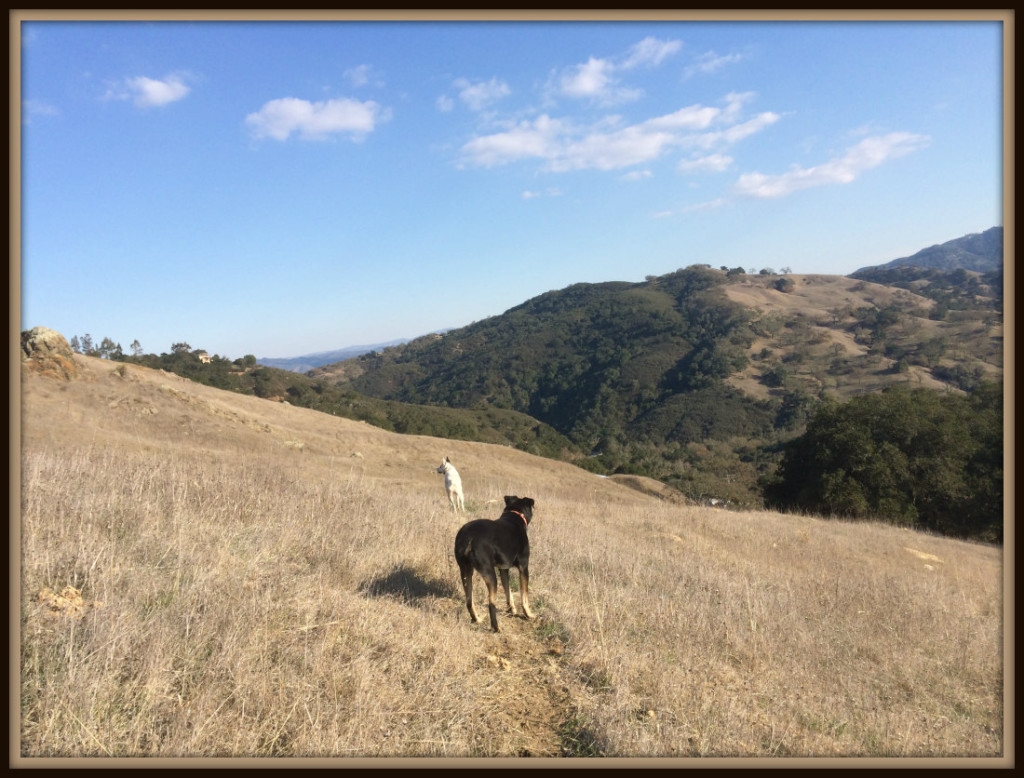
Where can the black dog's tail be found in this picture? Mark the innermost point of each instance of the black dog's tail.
(463, 545)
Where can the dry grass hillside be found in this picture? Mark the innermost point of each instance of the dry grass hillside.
(205, 574)
(817, 316)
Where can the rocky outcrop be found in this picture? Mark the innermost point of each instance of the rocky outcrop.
(45, 351)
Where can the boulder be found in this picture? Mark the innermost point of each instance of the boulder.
(45, 351)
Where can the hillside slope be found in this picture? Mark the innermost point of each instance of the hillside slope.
(694, 377)
(817, 328)
(205, 573)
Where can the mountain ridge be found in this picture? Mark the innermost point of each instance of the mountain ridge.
(980, 252)
(695, 377)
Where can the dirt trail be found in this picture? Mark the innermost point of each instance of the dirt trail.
(528, 704)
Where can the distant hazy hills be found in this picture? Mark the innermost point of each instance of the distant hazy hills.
(981, 252)
(307, 362)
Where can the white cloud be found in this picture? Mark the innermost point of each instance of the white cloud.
(610, 151)
(591, 79)
(637, 175)
(606, 145)
(694, 117)
(869, 153)
(147, 92)
(481, 94)
(445, 104)
(535, 139)
(597, 79)
(529, 195)
(650, 51)
(734, 102)
(278, 119)
(713, 163)
(32, 108)
(710, 205)
(709, 62)
(734, 134)
(361, 75)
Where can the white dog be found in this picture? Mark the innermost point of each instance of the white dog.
(452, 485)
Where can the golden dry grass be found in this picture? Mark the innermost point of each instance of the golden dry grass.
(812, 301)
(253, 580)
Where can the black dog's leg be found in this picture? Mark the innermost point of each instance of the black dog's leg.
(492, 590)
(466, 571)
(508, 591)
(524, 582)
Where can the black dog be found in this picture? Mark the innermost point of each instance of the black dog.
(483, 545)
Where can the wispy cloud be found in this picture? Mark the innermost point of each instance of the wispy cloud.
(869, 153)
(362, 75)
(530, 195)
(735, 133)
(537, 139)
(712, 163)
(278, 119)
(32, 108)
(481, 94)
(709, 62)
(693, 117)
(650, 52)
(597, 79)
(613, 150)
(709, 205)
(145, 92)
(607, 145)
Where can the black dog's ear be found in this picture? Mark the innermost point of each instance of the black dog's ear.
(510, 500)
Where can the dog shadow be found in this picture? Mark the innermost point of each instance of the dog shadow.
(405, 584)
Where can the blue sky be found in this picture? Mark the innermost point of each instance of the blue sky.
(283, 188)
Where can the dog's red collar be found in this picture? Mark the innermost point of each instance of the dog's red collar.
(521, 516)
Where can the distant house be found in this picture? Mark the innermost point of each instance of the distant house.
(204, 357)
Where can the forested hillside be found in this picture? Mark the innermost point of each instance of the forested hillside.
(698, 377)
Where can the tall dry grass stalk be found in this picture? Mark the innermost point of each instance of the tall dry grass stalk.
(242, 599)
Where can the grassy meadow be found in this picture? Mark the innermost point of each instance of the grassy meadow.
(204, 574)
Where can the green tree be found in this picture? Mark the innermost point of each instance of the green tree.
(914, 457)
(108, 348)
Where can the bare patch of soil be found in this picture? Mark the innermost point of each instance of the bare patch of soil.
(527, 697)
